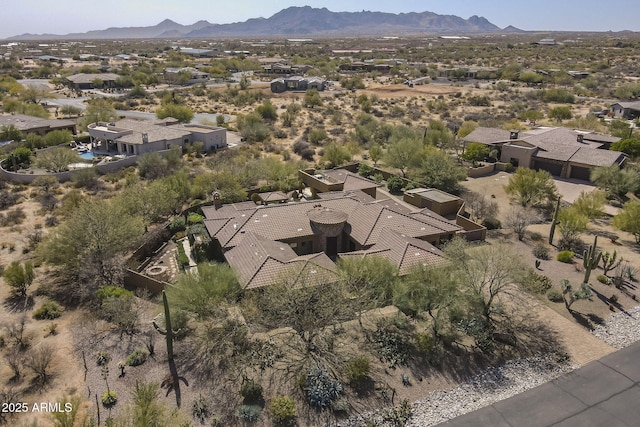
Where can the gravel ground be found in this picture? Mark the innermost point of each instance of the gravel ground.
(620, 329)
(491, 386)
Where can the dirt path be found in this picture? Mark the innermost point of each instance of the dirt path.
(580, 344)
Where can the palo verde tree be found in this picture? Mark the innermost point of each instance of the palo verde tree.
(530, 187)
(91, 241)
(628, 219)
(19, 277)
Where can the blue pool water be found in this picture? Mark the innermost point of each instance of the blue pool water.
(87, 155)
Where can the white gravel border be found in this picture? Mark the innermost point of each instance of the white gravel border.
(620, 329)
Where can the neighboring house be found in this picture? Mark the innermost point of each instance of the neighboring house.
(365, 66)
(283, 68)
(31, 124)
(135, 137)
(199, 53)
(270, 243)
(185, 75)
(93, 81)
(336, 180)
(563, 152)
(626, 110)
(297, 83)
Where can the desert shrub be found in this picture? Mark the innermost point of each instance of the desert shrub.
(194, 218)
(136, 357)
(398, 415)
(424, 343)
(102, 358)
(492, 223)
(613, 299)
(109, 398)
(112, 292)
(604, 279)
(51, 221)
(321, 390)
(283, 409)
(200, 409)
(574, 244)
(535, 236)
(554, 295)
(541, 252)
(365, 170)
(178, 224)
(508, 167)
(565, 256)
(49, 310)
(393, 338)
(357, 369)
(251, 392)
(249, 413)
(535, 283)
(394, 184)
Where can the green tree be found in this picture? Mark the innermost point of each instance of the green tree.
(403, 154)
(57, 159)
(58, 137)
(614, 180)
(560, 113)
(244, 82)
(531, 187)
(630, 146)
(267, 111)
(10, 133)
(202, 294)
(571, 222)
(591, 204)
(532, 116)
(94, 234)
(475, 152)
(628, 219)
(530, 78)
(98, 110)
(19, 277)
(376, 154)
(312, 98)
(431, 290)
(181, 113)
(439, 170)
(335, 154)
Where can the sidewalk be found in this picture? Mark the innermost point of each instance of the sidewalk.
(605, 392)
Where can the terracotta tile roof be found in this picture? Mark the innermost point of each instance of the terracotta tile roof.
(273, 196)
(23, 122)
(289, 221)
(261, 262)
(359, 195)
(351, 181)
(404, 251)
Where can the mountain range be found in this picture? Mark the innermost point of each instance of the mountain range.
(297, 21)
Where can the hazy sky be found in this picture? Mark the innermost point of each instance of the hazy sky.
(67, 16)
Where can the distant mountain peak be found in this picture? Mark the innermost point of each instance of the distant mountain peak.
(299, 20)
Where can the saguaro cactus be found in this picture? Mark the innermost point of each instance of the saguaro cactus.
(591, 259)
(554, 221)
(168, 331)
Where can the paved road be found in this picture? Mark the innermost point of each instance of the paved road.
(604, 393)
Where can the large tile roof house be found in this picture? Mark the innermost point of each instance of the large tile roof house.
(562, 152)
(31, 124)
(89, 81)
(135, 137)
(265, 243)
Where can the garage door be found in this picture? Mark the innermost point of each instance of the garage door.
(551, 167)
(578, 172)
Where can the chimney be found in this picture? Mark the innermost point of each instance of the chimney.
(145, 138)
(216, 199)
(580, 137)
(514, 134)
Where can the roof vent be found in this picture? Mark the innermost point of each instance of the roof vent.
(514, 134)
(145, 138)
(580, 138)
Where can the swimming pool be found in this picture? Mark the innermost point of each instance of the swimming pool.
(87, 155)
